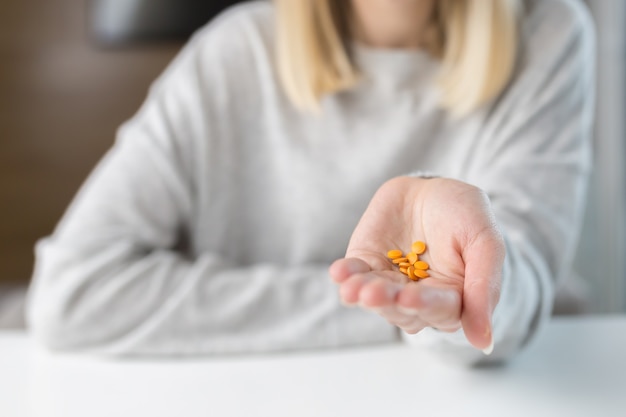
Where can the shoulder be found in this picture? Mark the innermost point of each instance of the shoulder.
(239, 25)
(557, 38)
(234, 45)
(563, 13)
(555, 68)
(226, 50)
(556, 24)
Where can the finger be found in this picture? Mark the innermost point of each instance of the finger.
(410, 323)
(440, 307)
(342, 269)
(379, 293)
(481, 290)
(350, 289)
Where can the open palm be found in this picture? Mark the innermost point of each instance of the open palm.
(465, 252)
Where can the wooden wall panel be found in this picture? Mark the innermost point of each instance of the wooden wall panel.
(61, 100)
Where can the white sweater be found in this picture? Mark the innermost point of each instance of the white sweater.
(209, 226)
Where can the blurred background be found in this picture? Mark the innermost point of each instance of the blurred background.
(71, 71)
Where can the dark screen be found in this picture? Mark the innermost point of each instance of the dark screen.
(115, 22)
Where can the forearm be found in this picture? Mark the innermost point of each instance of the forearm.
(116, 303)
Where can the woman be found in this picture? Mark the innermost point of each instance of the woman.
(211, 224)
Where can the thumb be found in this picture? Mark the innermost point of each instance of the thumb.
(483, 259)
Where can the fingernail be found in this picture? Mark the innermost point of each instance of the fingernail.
(487, 351)
(407, 311)
(371, 308)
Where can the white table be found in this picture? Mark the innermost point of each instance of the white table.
(577, 367)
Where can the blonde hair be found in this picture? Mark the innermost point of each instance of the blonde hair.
(476, 41)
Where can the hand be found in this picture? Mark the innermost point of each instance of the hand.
(465, 252)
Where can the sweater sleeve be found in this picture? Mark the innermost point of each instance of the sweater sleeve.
(534, 162)
(114, 278)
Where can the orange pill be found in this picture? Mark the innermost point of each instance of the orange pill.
(399, 260)
(412, 257)
(421, 265)
(418, 247)
(421, 273)
(394, 253)
(410, 271)
(410, 264)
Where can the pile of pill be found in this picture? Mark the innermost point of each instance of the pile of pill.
(410, 264)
